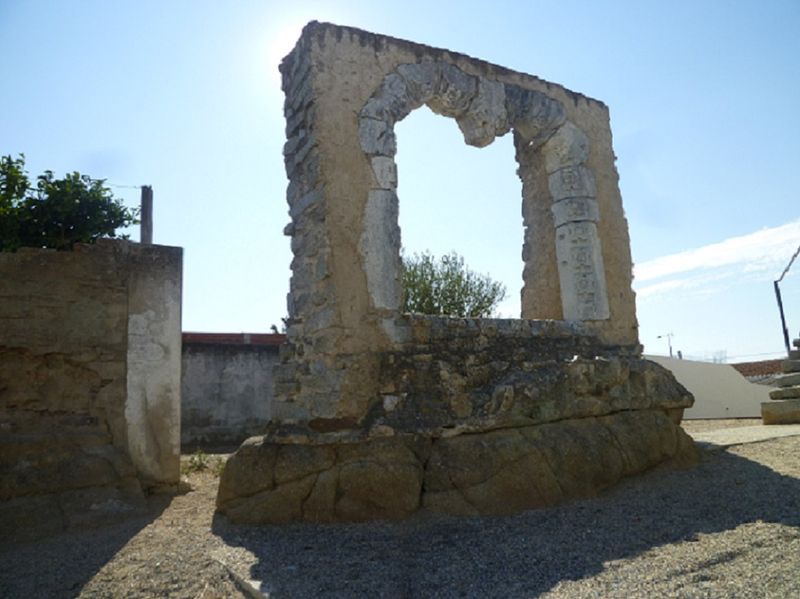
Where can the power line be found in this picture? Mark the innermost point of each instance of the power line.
(114, 185)
(124, 186)
(788, 266)
(771, 353)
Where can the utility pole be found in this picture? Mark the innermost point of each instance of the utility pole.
(146, 227)
(669, 337)
(776, 285)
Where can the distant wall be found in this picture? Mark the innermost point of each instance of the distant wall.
(719, 390)
(89, 367)
(226, 387)
(755, 371)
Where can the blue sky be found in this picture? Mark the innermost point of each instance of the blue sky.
(185, 96)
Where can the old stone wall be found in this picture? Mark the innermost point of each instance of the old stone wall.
(345, 90)
(226, 387)
(459, 375)
(378, 414)
(89, 378)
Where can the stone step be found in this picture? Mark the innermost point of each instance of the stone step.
(794, 354)
(785, 411)
(785, 393)
(790, 366)
(787, 380)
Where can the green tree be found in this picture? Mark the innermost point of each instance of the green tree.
(13, 187)
(57, 213)
(447, 287)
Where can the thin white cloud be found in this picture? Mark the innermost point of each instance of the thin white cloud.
(766, 251)
(695, 285)
(662, 287)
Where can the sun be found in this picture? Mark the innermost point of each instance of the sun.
(282, 39)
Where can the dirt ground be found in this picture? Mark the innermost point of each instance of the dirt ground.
(726, 527)
(697, 426)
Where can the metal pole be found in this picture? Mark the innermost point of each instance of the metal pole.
(146, 227)
(780, 301)
(783, 318)
(669, 337)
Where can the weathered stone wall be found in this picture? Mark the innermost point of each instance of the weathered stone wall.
(226, 389)
(474, 416)
(345, 90)
(89, 378)
(378, 413)
(458, 375)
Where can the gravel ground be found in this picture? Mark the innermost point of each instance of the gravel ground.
(697, 426)
(728, 527)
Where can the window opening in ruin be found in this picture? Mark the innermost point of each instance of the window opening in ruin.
(455, 197)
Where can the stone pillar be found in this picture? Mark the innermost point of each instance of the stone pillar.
(575, 215)
(153, 404)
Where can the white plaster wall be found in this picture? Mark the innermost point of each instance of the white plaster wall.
(226, 393)
(152, 408)
(719, 390)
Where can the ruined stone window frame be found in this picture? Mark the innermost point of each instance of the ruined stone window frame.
(483, 109)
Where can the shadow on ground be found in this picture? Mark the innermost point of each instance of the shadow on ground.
(59, 565)
(523, 555)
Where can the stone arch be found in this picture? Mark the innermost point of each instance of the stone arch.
(484, 109)
(345, 91)
(378, 414)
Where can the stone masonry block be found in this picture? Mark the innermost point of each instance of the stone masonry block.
(486, 117)
(572, 182)
(454, 92)
(785, 393)
(377, 137)
(532, 114)
(581, 273)
(786, 411)
(422, 79)
(574, 210)
(569, 146)
(788, 380)
(385, 171)
(790, 366)
(380, 249)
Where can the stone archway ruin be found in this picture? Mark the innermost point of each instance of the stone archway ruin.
(486, 109)
(379, 413)
(345, 287)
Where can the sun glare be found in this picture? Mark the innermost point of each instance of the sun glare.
(281, 40)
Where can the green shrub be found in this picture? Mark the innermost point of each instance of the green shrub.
(57, 213)
(447, 287)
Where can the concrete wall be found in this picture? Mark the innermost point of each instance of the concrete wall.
(719, 390)
(89, 363)
(153, 403)
(226, 390)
